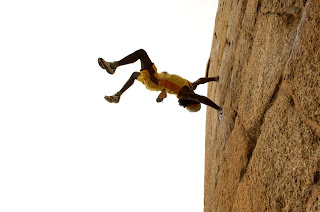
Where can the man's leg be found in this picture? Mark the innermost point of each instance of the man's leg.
(139, 54)
(203, 81)
(116, 98)
(129, 83)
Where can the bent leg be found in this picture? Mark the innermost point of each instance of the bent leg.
(116, 97)
(139, 54)
(203, 81)
(129, 83)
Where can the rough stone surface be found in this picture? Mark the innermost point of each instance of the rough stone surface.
(265, 153)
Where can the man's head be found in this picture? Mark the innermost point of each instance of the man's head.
(191, 105)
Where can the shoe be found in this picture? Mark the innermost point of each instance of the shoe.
(106, 65)
(112, 99)
(220, 115)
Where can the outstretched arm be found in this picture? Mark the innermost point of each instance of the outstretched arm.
(199, 98)
(204, 80)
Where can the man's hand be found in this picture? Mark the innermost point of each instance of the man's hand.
(162, 95)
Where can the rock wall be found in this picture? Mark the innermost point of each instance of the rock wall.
(265, 153)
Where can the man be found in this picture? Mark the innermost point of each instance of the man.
(164, 82)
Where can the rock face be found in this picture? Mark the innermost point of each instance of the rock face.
(265, 153)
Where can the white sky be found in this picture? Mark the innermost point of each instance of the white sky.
(62, 146)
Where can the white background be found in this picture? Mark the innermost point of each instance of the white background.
(62, 146)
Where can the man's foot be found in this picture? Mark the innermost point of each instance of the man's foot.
(113, 99)
(220, 114)
(109, 67)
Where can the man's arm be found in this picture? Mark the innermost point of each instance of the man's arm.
(162, 95)
(199, 98)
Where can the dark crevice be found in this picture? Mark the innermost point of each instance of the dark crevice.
(258, 6)
(256, 130)
(291, 102)
(250, 147)
(254, 133)
(316, 177)
(304, 2)
(233, 116)
(243, 171)
(274, 96)
(258, 11)
(290, 16)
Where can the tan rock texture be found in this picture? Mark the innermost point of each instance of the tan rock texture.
(265, 153)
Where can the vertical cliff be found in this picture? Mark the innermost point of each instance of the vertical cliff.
(265, 153)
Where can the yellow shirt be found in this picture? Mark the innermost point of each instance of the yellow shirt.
(172, 83)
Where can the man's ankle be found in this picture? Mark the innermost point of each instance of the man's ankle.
(118, 93)
(114, 64)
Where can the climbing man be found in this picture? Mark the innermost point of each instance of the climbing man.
(164, 82)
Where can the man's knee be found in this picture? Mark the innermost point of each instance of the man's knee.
(135, 75)
(145, 60)
(142, 52)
